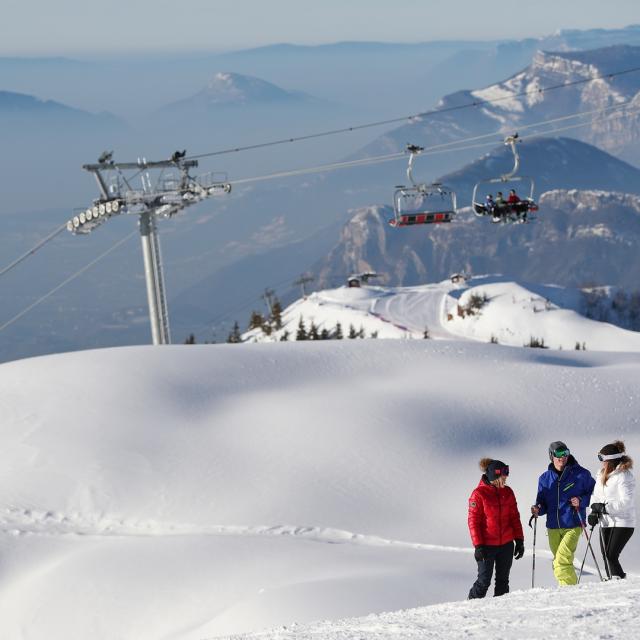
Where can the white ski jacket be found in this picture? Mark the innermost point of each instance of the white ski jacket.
(619, 495)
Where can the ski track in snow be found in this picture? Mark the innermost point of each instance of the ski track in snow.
(408, 310)
(411, 304)
(19, 522)
(25, 522)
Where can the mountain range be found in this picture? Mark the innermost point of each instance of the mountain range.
(580, 238)
(19, 108)
(552, 87)
(271, 231)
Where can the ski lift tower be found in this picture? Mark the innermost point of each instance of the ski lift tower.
(166, 187)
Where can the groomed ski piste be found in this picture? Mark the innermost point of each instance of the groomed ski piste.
(306, 489)
(511, 313)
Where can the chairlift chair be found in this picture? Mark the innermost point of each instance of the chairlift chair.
(518, 212)
(421, 203)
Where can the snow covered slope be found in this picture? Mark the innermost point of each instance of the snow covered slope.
(520, 103)
(583, 613)
(510, 314)
(193, 491)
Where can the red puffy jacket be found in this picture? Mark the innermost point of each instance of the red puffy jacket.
(493, 515)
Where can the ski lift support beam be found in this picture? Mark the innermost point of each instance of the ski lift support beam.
(148, 203)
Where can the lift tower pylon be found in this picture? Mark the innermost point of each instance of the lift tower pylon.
(166, 188)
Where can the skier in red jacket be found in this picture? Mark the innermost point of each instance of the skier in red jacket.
(495, 528)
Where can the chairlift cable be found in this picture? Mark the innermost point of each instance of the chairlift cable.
(449, 147)
(33, 250)
(415, 116)
(68, 280)
(446, 147)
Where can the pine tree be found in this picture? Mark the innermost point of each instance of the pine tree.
(276, 313)
(352, 332)
(324, 334)
(256, 321)
(301, 334)
(284, 337)
(337, 332)
(191, 339)
(235, 337)
(313, 332)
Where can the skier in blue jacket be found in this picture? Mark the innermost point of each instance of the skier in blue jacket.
(564, 490)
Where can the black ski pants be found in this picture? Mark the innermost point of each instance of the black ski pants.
(502, 558)
(612, 542)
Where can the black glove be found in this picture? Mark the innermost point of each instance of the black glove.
(480, 554)
(592, 519)
(598, 507)
(519, 550)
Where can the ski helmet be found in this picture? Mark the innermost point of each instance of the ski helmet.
(556, 447)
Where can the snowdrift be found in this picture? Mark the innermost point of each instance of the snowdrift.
(195, 491)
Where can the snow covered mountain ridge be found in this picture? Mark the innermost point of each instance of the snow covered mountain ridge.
(613, 133)
(485, 308)
(507, 109)
(226, 89)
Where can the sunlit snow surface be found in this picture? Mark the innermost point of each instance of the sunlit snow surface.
(190, 492)
(606, 610)
(513, 314)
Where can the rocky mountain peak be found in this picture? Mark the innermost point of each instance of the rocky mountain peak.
(536, 95)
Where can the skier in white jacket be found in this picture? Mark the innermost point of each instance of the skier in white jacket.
(613, 505)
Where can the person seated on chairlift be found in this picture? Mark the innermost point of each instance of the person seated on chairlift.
(516, 205)
(513, 197)
(489, 204)
(499, 207)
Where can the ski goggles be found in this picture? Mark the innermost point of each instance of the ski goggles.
(560, 453)
(502, 471)
(612, 456)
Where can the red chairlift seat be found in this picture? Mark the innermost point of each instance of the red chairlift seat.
(422, 203)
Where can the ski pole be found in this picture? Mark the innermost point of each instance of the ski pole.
(593, 555)
(533, 565)
(605, 550)
(585, 555)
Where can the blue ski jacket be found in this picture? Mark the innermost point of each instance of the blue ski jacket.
(555, 490)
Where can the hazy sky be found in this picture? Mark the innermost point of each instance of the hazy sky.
(45, 27)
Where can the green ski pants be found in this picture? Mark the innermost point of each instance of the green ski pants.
(563, 543)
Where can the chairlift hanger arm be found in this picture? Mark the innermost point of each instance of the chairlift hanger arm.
(413, 150)
(510, 141)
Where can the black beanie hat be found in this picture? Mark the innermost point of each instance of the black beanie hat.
(494, 470)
